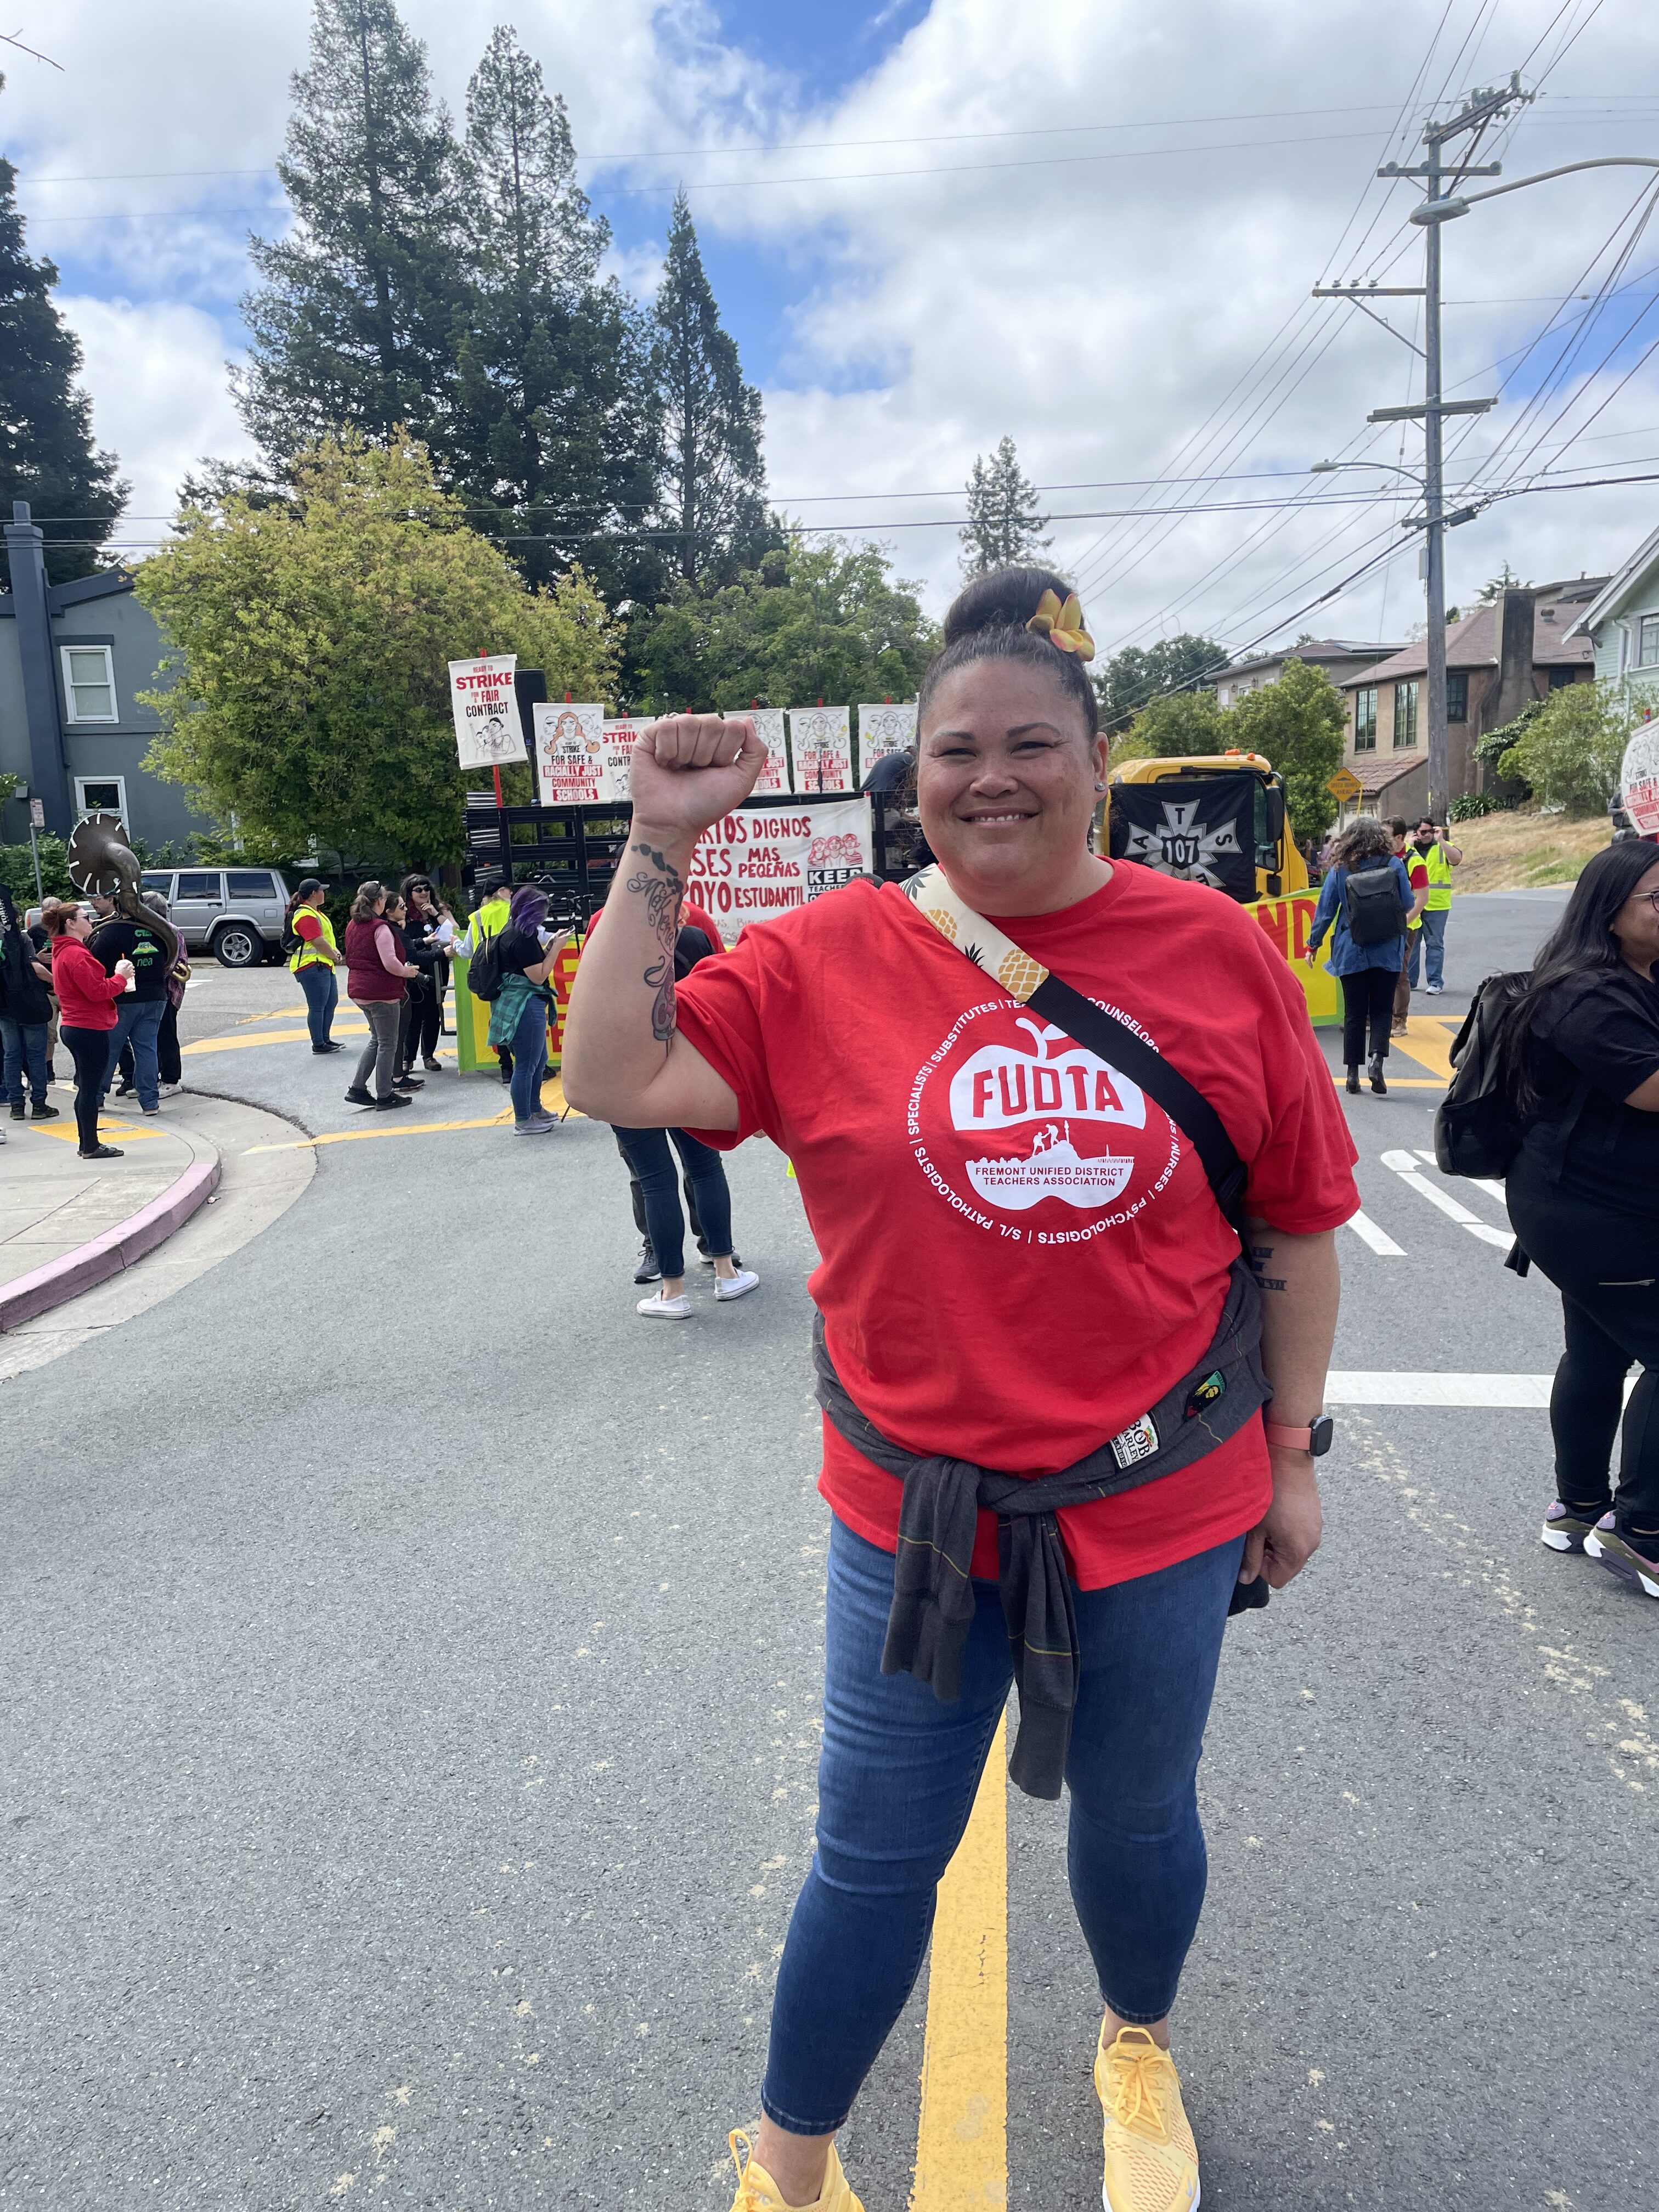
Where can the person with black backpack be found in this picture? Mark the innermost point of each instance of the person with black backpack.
(1367, 896)
(1578, 1065)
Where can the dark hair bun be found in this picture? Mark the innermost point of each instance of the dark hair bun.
(1002, 599)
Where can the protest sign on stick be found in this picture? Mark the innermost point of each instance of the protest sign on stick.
(615, 752)
(761, 861)
(488, 732)
(883, 730)
(821, 741)
(569, 753)
(768, 728)
(1638, 781)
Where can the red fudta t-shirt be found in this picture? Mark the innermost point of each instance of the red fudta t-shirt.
(1020, 1251)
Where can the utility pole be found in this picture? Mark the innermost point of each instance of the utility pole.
(1481, 109)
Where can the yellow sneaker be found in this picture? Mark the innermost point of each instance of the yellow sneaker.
(1151, 2160)
(758, 2192)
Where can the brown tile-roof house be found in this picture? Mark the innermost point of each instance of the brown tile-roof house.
(1339, 657)
(1498, 658)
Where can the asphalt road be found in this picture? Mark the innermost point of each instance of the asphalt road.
(413, 1662)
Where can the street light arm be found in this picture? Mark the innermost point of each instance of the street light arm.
(1608, 161)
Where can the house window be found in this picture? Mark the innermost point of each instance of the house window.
(1458, 697)
(102, 794)
(1647, 642)
(1364, 721)
(1405, 715)
(1560, 678)
(90, 683)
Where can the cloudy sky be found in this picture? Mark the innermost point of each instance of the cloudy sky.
(1092, 225)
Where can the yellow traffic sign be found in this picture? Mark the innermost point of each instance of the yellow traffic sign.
(1344, 784)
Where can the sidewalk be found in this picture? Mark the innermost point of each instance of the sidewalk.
(66, 1224)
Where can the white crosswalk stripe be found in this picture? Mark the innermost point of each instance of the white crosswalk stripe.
(1379, 1239)
(1404, 1164)
(1478, 1182)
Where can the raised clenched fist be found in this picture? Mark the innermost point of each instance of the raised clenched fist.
(689, 769)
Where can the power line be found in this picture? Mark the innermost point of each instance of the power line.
(771, 184)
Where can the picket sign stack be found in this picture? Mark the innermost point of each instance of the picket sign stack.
(581, 758)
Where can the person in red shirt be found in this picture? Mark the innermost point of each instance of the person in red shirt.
(1417, 874)
(87, 996)
(1027, 1288)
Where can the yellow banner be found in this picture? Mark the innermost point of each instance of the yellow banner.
(1287, 921)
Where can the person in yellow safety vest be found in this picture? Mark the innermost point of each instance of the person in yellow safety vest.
(1417, 875)
(1428, 844)
(489, 921)
(314, 961)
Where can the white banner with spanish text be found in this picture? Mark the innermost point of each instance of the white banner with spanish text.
(488, 732)
(764, 861)
(569, 753)
(822, 740)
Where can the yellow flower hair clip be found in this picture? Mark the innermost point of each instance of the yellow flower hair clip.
(1062, 625)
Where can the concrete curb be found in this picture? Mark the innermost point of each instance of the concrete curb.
(103, 1257)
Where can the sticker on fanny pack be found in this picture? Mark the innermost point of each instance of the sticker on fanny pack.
(1138, 1442)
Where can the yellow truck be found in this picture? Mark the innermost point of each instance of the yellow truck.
(1220, 819)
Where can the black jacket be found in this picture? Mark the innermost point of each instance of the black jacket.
(23, 996)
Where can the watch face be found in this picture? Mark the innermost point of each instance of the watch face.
(1322, 1432)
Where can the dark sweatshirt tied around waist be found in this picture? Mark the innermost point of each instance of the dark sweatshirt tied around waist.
(932, 1587)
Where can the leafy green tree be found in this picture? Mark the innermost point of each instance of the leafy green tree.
(713, 489)
(353, 324)
(1003, 522)
(1504, 580)
(1132, 679)
(46, 452)
(824, 622)
(310, 695)
(557, 422)
(1297, 723)
(1175, 723)
(1570, 750)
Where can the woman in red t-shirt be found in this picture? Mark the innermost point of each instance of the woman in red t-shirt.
(86, 1022)
(1025, 1279)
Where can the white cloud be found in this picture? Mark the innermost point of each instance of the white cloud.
(1101, 311)
(158, 377)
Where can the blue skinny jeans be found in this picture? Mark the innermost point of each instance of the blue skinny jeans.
(322, 989)
(529, 1059)
(896, 1781)
(24, 1045)
(652, 1164)
(137, 1022)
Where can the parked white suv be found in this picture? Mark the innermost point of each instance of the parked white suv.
(235, 914)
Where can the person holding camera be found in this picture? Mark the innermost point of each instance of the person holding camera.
(1368, 897)
(1019, 1491)
(1580, 1059)
(428, 928)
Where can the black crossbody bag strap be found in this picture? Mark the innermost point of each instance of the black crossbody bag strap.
(1109, 1039)
(1115, 1042)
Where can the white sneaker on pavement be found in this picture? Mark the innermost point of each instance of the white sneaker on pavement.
(738, 1286)
(1434, 990)
(658, 1307)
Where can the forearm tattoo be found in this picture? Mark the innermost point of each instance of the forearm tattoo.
(662, 891)
(1261, 1258)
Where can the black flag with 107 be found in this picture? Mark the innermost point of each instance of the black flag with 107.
(1200, 828)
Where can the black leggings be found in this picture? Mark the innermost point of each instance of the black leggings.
(90, 1050)
(1606, 1267)
(421, 1031)
(1367, 1002)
